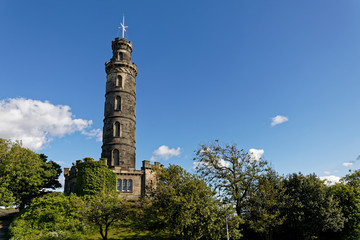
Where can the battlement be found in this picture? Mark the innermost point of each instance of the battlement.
(122, 44)
(148, 165)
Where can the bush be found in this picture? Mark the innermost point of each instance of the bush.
(94, 177)
(49, 217)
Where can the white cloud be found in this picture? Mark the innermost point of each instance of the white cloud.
(36, 123)
(62, 182)
(347, 164)
(255, 154)
(327, 172)
(278, 120)
(164, 152)
(330, 180)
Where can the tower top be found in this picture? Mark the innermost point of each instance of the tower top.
(123, 27)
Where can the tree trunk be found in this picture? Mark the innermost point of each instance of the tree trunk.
(104, 237)
(106, 231)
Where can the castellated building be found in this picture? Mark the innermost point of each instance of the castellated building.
(118, 149)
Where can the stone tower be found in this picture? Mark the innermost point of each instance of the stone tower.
(119, 128)
(119, 115)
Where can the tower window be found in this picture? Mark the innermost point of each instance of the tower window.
(117, 130)
(119, 82)
(121, 56)
(118, 103)
(129, 186)
(118, 185)
(124, 186)
(116, 157)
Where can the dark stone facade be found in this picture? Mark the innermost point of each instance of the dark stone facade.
(118, 149)
(120, 107)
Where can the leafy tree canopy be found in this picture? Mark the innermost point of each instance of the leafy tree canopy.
(183, 204)
(102, 211)
(347, 192)
(24, 174)
(233, 172)
(267, 205)
(50, 217)
(311, 208)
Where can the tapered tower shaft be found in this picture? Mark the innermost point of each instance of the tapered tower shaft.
(119, 115)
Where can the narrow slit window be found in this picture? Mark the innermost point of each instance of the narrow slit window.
(124, 186)
(121, 56)
(116, 157)
(119, 81)
(129, 186)
(118, 185)
(117, 129)
(118, 103)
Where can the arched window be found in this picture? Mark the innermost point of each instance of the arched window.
(118, 185)
(129, 186)
(119, 81)
(121, 56)
(124, 186)
(118, 103)
(116, 157)
(117, 129)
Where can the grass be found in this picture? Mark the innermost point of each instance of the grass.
(124, 232)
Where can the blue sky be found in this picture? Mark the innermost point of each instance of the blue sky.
(207, 70)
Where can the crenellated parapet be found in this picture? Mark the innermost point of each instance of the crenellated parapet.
(121, 43)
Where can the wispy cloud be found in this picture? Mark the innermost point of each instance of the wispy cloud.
(36, 123)
(347, 164)
(97, 133)
(164, 153)
(278, 120)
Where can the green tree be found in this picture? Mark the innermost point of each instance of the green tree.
(6, 196)
(24, 173)
(50, 217)
(311, 208)
(347, 192)
(232, 172)
(52, 172)
(266, 208)
(103, 210)
(94, 177)
(184, 205)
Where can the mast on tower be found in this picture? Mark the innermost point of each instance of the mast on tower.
(123, 27)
